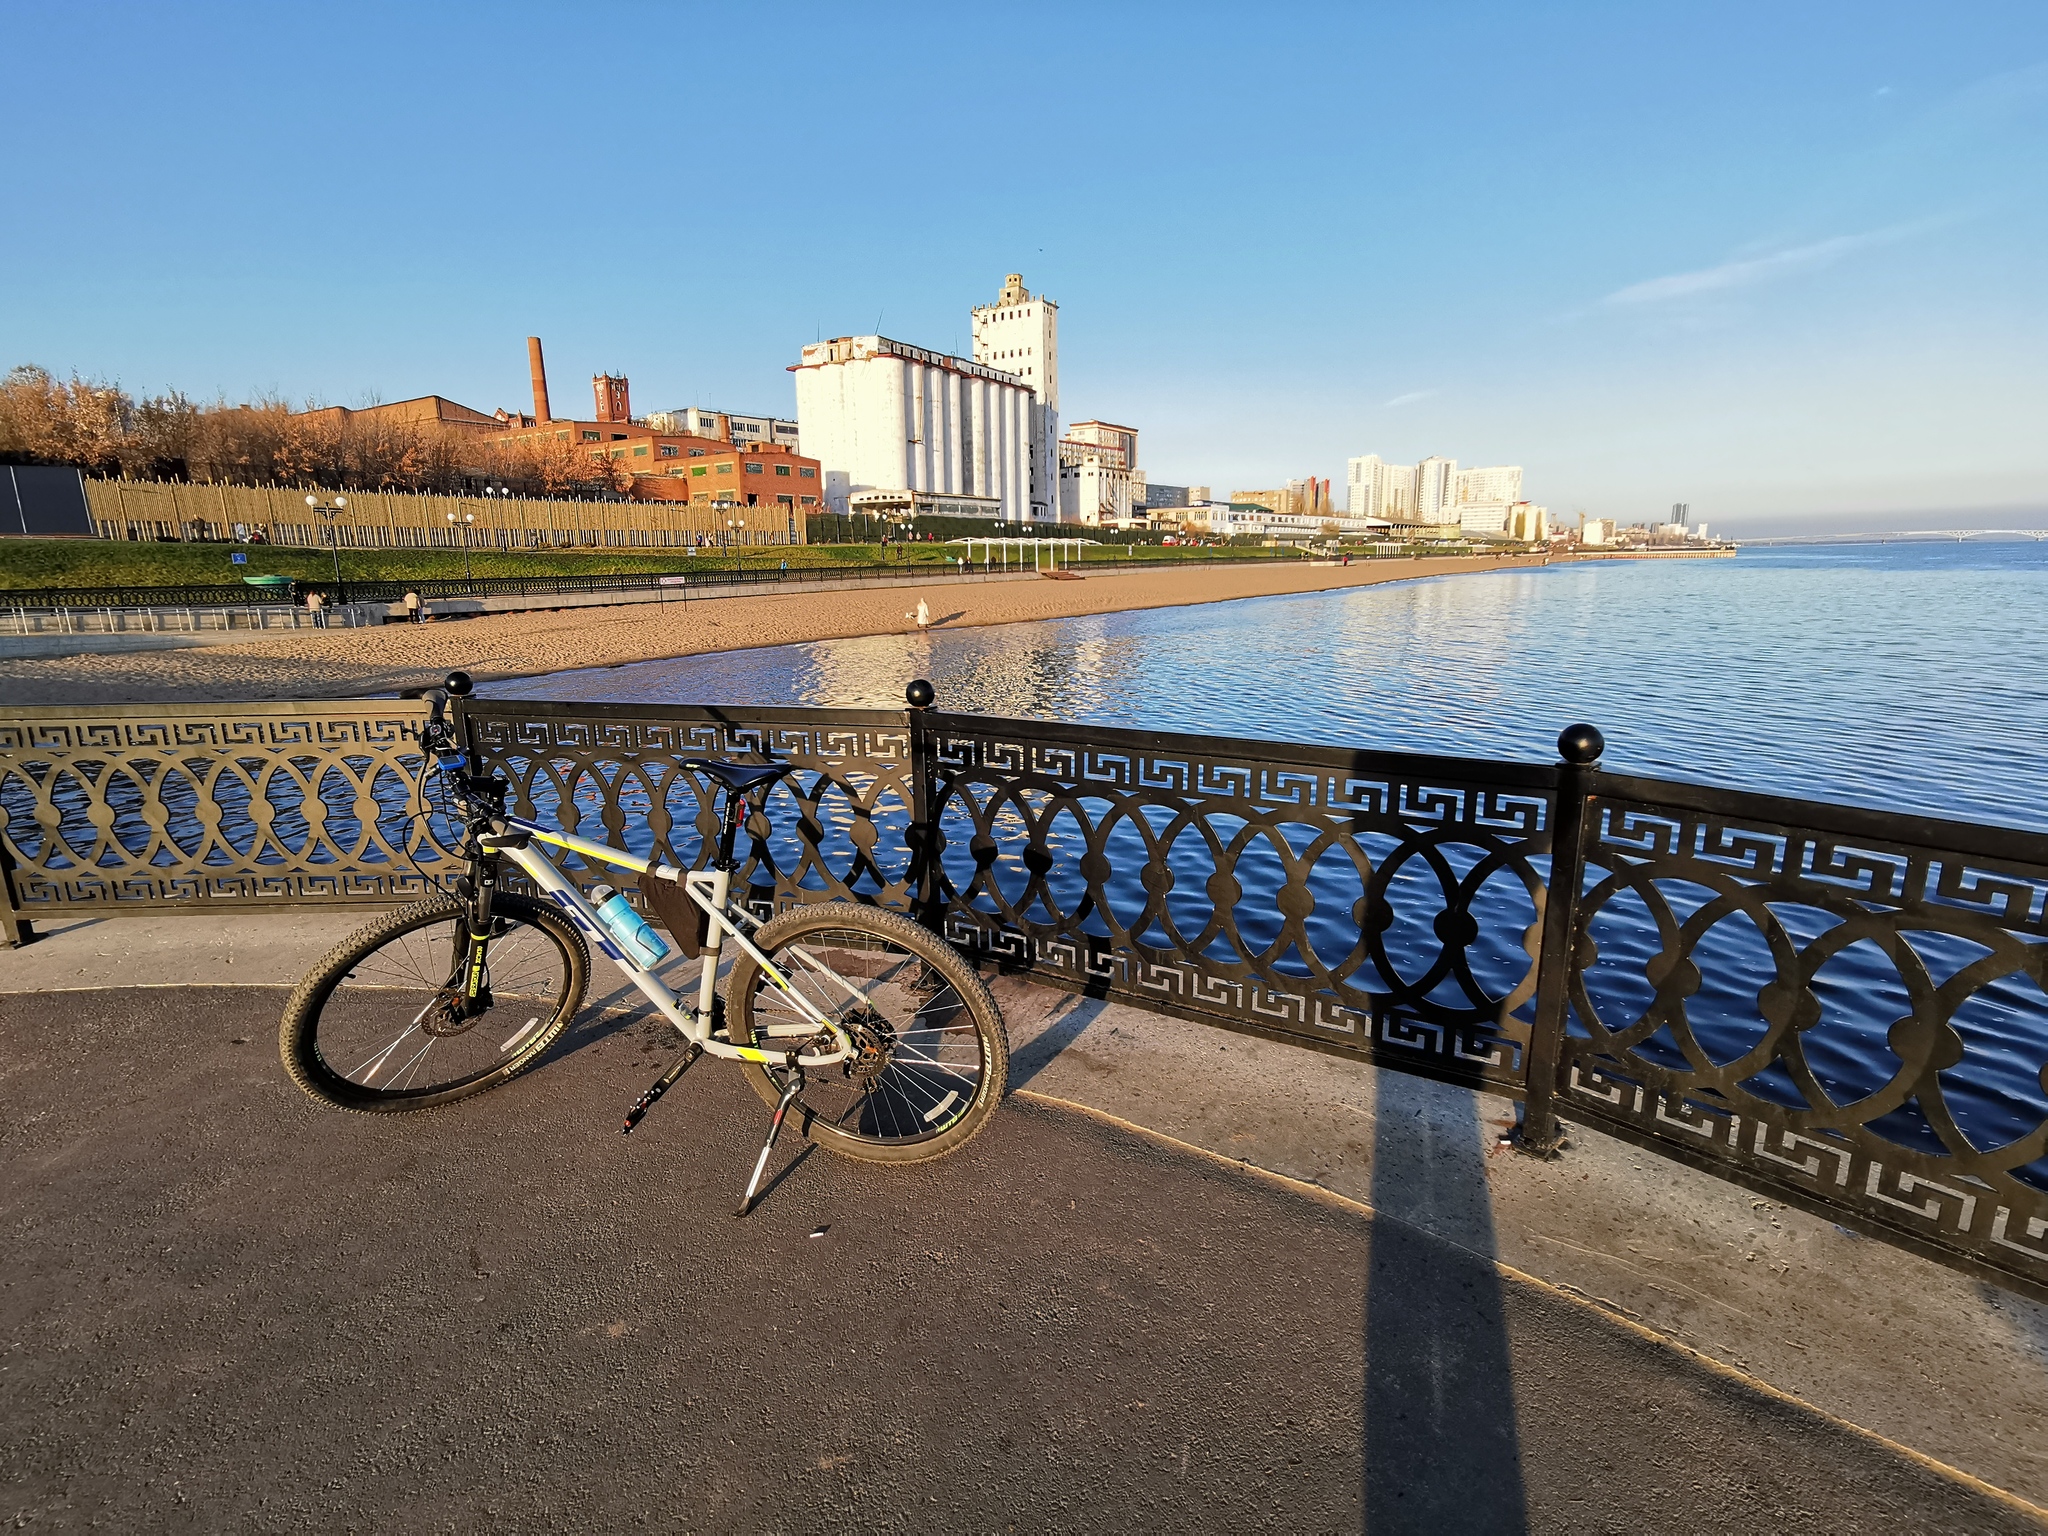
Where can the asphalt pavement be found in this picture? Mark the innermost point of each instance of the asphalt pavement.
(225, 1306)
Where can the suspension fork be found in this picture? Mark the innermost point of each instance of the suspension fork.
(474, 924)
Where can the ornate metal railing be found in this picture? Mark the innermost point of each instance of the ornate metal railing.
(1846, 1009)
(138, 807)
(1842, 1007)
(837, 830)
(1375, 904)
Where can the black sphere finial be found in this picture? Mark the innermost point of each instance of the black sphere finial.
(920, 694)
(1580, 744)
(459, 685)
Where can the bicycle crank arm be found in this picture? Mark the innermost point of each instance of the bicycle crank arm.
(662, 1084)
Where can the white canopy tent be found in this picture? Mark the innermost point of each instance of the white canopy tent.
(1044, 554)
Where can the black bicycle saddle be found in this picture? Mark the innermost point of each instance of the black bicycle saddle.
(740, 778)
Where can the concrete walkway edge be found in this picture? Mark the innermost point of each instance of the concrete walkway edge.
(1566, 1293)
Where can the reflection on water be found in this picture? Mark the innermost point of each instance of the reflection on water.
(1900, 676)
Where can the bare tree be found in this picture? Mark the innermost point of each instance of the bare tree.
(100, 428)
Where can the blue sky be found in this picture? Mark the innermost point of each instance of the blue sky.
(1788, 264)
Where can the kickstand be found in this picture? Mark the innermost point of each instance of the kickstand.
(796, 1086)
(666, 1081)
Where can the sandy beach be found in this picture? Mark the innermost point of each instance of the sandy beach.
(346, 663)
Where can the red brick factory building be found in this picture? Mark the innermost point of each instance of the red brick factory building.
(672, 466)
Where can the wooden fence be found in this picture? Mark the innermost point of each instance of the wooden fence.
(169, 510)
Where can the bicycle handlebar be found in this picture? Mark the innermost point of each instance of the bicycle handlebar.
(456, 685)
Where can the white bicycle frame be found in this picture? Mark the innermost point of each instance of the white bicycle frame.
(709, 889)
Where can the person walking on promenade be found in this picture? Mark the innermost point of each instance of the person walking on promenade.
(412, 606)
(315, 603)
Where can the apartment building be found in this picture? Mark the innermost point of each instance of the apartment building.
(1308, 498)
(1375, 488)
(1500, 485)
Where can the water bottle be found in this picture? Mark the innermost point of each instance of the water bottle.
(632, 932)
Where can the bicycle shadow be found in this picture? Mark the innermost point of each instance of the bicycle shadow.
(612, 1006)
(1067, 1025)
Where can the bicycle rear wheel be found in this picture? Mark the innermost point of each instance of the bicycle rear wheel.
(385, 1022)
(934, 1058)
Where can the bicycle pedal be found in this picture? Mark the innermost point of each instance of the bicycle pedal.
(661, 1085)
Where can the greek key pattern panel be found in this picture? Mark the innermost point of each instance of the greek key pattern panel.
(1385, 914)
(261, 805)
(1859, 1021)
(838, 829)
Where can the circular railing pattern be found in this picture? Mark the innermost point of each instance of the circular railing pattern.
(1361, 911)
(836, 830)
(264, 805)
(1867, 1016)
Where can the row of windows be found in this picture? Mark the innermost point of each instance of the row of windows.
(805, 471)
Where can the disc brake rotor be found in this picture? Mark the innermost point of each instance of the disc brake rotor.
(454, 1014)
(874, 1045)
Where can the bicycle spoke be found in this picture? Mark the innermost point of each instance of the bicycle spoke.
(369, 1068)
(400, 1023)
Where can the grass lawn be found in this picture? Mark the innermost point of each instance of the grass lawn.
(97, 563)
(105, 563)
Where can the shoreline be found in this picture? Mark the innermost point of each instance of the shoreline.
(505, 647)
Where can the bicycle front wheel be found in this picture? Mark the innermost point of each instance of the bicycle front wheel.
(933, 1060)
(387, 1021)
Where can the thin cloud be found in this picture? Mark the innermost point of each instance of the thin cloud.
(1410, 398)
(1749, 273)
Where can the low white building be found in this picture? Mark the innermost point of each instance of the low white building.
(1528, 522)
(893, 506)
(1100, 483)
(728, 426)
(1228, 519)
(881, 415)
(1095, 494)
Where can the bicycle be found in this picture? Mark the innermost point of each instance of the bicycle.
(872, 1027)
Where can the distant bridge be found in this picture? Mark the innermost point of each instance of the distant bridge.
(1901, 535)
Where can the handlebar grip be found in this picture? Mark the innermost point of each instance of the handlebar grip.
(437, 706)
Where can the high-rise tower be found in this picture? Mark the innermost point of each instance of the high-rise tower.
(1020, 333)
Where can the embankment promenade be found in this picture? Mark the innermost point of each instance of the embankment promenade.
(344, 663)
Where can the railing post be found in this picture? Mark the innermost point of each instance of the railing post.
(923, 833)
(18, 928)
(1579, 746)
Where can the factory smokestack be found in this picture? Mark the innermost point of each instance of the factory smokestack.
(540, 379)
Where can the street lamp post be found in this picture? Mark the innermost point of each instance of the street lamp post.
(327, 512)
(462, 523)
(735, 525)
(497, 492)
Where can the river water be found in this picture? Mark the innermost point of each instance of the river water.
(1907, 677)
(1903, 677)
